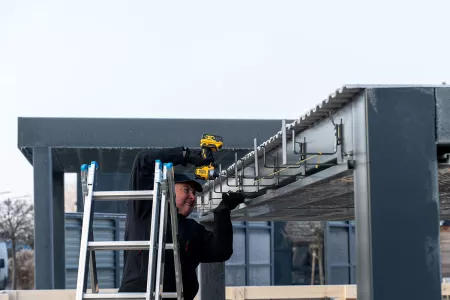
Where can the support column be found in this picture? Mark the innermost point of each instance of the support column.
(59, 266)
(211, 277)
(80, 206)
(396, 195)
(212, 281)
(43, 209)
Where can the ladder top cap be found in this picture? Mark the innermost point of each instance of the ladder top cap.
(84, 167)
(168, 165)
(94, 163)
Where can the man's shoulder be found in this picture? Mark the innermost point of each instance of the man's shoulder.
(192, 222)
(195, 229)
(194, 225)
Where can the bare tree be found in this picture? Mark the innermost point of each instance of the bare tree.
(16, 225)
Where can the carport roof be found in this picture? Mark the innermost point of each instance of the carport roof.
(114, 142)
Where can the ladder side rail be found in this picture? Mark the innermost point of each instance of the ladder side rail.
(86, 233)
(92, 259)
(92, 255)
(154, 229)
(175, 242)
(162, 238)
(92, 264)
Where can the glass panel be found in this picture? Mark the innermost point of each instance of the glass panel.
(300, 257)
(234, 276)
(259, 275)
(259, 246)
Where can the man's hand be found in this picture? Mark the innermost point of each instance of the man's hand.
(230, 201)
(194, 157)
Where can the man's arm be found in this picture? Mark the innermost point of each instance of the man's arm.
(217, 245)
(143, 172)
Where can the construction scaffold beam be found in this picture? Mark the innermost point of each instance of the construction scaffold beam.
(375, 154)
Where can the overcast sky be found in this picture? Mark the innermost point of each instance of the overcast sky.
(263, 59)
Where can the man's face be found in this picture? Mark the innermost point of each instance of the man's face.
(185, 198)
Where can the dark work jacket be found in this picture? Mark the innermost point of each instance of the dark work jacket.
(197, 244)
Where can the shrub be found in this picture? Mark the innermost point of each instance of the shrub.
(24, 269)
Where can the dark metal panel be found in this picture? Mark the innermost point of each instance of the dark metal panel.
(139, 133)
(120, 264)
(396, 186)
(258, 259)
(340, 259)
(252, 261)
(43, 221)
(109, 263)
(118, 255)
(116, 160)
(236, 266)
(272, 251)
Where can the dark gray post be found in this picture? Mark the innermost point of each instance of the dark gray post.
(396, 195)
(80, 206)
(212, 281)
(58, 232)
(43, 209)
(211, 278)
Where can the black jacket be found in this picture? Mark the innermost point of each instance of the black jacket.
(197, 244)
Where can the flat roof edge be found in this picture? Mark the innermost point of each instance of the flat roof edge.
(139, 133)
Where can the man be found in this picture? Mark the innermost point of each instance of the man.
(197, 245)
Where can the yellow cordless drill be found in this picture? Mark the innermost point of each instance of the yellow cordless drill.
(209, 144)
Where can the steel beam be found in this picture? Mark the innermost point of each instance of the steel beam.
(298, 149)
(108, 133)
(313, 147)
(385, 167)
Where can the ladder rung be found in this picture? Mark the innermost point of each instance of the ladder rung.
(123, 245)
(112, 296)
(123, 195)
(169, 295)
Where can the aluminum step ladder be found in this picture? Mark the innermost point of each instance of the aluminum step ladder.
(163, 197)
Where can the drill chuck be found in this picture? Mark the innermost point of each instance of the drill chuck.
(206, 172)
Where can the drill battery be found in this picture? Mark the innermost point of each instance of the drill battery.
(210, 141)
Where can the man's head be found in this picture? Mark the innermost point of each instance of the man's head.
(186, 188)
